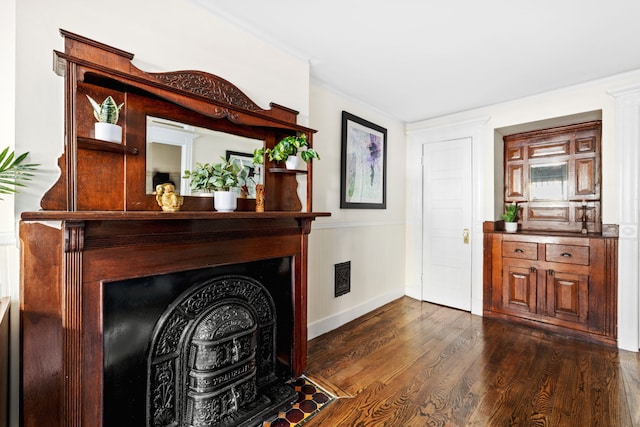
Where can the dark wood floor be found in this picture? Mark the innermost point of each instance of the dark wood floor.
(412, 363)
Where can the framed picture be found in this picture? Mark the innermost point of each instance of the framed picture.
(252, 172)
(363, 177)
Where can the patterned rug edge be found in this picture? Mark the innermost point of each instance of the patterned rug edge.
(312, 398)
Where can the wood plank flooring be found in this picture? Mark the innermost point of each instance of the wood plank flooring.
(413, 363)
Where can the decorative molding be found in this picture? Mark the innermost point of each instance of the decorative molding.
(421, 133)
(337, 225)
(8, 239)
(74, 236)
(209, 86)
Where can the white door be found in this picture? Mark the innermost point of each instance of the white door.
(447, 219)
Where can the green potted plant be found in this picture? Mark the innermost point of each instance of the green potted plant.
(287, 149)
(107, 115)
(13, 171)
(201, 178)
(510, 216)
(220, 178)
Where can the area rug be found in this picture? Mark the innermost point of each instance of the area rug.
(311, 399)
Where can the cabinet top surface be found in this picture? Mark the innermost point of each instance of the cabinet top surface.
(549, 236)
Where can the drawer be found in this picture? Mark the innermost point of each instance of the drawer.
(522, 250)
(568, 254)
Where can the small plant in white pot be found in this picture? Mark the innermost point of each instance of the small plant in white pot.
(510, 216)
(220, 178)
(287, 149)
(107, 115)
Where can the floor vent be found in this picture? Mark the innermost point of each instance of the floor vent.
(342, 278)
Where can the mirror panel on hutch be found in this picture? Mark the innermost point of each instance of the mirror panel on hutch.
(559, 270)
(100, 233)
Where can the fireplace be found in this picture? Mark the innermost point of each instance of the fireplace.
(103, 267)
(100, 284)
(207, 347)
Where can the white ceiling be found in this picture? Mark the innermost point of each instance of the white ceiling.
(418, 59)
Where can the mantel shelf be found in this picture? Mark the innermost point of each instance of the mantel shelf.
(160, 215)
(99, 145)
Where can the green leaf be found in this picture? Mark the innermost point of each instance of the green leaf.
(13, 172)
(107, 112)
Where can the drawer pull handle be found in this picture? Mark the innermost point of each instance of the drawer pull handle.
(566, 255)
(518, 251)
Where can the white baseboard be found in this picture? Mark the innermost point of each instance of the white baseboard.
(330, 323)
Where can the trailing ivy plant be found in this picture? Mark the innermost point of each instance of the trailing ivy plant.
(107, 112)
(289, 146)
(13, 171)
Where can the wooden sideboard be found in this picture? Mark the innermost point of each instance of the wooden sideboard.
(563, 282)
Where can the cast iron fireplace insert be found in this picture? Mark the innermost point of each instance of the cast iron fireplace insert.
(229, 350)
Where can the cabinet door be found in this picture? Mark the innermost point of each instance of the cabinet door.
(568, 296)
(519, 289)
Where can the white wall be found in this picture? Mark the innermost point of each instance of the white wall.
(582, 98)
(372, 239)
(8, 250)
(7, 113)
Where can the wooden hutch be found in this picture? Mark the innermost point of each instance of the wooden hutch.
(559, 271)
(99, 224)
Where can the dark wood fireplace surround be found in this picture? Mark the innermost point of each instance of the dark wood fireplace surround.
(97, 224)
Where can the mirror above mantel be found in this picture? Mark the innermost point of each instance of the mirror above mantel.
(173, 148)
(189, 106)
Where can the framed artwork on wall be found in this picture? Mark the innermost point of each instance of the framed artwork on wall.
(363, 171)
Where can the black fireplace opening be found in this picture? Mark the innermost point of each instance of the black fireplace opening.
(224, 310)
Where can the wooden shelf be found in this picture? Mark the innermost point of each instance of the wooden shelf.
(288, 171)
(99, 145)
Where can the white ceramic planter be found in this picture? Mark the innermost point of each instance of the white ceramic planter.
(511, 227)
(108, 132)
(225, 201)
(292, 162)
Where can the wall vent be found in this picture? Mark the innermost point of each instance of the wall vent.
(342, 278)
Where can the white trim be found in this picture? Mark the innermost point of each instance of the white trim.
(417, 135)
(627, 136)
(334, 321)
(8, 239)
(337, 225)
(332, 89)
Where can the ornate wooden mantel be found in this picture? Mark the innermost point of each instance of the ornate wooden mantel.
(99, 226)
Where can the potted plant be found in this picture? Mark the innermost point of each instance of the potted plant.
(107, 115)
(13, 171)
(510, 218)
(287, 149)
(220, 178)
(201, 178)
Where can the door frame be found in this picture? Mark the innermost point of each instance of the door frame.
(433, 290)
(417, 136)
